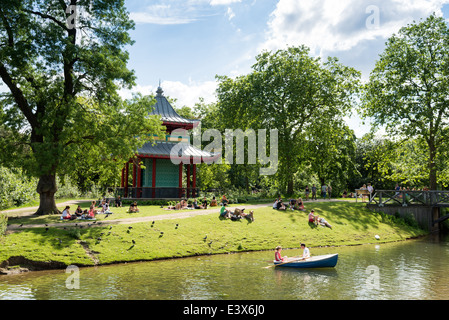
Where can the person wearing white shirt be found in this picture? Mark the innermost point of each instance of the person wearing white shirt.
(370, 190)
(306, 252)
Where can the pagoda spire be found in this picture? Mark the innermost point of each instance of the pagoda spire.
(159, 90)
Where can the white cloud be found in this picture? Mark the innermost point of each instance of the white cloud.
(223, 2)
(162, 14)
(185, 94)
(230, 14)
(329, 25)
(172, 12)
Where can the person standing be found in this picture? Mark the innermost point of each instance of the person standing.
(323, 191)
(370, 190)
(329, 191)
(313, 192)
(307, 192)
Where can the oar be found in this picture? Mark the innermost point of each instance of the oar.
(280, 264)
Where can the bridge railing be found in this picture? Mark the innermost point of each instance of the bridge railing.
(432, 198)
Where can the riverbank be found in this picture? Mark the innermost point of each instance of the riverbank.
(183, 233)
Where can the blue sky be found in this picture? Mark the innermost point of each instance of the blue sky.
(186, 43)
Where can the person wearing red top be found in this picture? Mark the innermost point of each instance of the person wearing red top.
(277, 254)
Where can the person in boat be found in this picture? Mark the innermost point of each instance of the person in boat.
(313, 218)
(305, 252)
(277, 255)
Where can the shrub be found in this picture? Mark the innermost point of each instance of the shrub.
(3, 224)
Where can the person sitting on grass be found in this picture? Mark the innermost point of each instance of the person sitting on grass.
(281, 205)
(240, 213)
(93, 208)
(323, 222)
(224, 200)
(213, 203)
(224, 213)
(195, 205)
(66, 214)
(299, 205)
(79, 211)
(204, 206)
(313, 218)
(133, 208)
(118, 202)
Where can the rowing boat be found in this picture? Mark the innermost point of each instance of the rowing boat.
(324, 261)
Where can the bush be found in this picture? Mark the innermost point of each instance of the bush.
(3, 224)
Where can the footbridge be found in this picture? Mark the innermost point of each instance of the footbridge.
(425, 205)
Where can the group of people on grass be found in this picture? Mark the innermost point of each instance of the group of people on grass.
(293, 204)
(183, 204)
(237, 214)
(86, 214)
(299, 205)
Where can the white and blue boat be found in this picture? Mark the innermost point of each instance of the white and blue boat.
(323, 261)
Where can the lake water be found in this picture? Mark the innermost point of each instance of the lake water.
(415, 269)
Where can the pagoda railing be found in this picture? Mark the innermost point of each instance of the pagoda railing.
(156, 193)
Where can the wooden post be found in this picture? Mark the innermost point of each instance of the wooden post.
(180, 181)
(126, 179)
(153, 185)
(188, 181)
(139, 179)
(194, 180)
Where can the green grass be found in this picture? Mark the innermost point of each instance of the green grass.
(352, 224)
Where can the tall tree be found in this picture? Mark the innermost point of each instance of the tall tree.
(287, 90)
(408, 88)
(63, 64)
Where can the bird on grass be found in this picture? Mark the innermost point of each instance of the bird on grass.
(205, 238)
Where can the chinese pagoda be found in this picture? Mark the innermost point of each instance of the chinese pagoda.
(154, 174)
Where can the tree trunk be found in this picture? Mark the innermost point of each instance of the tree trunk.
(290, 187)
(47, 188)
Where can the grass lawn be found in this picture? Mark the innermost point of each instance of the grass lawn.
(352, 224)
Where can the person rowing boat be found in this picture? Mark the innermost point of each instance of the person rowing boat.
(305, 252)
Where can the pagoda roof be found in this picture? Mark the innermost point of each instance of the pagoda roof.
(185, 151)
(168, 113)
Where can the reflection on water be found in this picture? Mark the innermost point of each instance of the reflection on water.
(407, 270)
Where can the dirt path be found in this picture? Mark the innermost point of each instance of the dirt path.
(21, 212)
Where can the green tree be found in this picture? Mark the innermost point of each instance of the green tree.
(63, 65)
(287, 90)
(407, 90)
